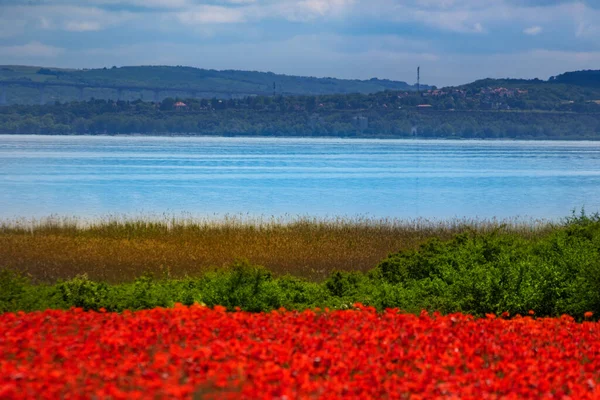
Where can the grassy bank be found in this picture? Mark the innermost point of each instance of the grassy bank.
(120, 250)
(552, 271)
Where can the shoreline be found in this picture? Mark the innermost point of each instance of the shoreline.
(351, 138)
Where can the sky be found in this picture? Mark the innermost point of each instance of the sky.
(453, 41)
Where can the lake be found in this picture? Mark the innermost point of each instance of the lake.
(92, 177)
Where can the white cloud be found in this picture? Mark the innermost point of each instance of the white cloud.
(254, 11)
(324, 7)
(533, 31)
(235, 34)
(31, 50)
(585, 19)
(462, 16)
(45, 23)
(169, 4)
(586, 29)
(477, 16)
(64, 17)
(154, 3)
(211, 15)
(456, 21)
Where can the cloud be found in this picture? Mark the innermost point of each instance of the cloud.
(211, 15)
(476, 16)
(455, 41)
(325, 7)
(460, 16)
(585, 29)
(533, 31)
(255, 11)
(83, 26)
(31, 50)
(66, 17)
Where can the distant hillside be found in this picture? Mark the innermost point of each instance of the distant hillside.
(589, 79)
(584, 78)
(516, 109)
(35, 85)
(489, 108)
(571, 91)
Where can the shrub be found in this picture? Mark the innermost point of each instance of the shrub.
(242, 285)
(474, 272)
(84, 293)
(12, 288)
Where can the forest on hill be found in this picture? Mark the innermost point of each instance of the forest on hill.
(564, 107)
(22, 84)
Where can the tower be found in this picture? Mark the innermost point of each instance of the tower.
(419, 79)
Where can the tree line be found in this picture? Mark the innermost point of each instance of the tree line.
(474, 112)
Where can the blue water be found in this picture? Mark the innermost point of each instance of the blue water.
(94, 176)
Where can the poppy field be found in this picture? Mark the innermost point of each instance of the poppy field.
(199, 352)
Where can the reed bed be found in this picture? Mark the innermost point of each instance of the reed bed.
(120, 248)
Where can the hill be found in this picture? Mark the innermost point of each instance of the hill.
(505, 108)
(584, 78)
(35, 85)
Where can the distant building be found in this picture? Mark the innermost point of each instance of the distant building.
(424, 106)
(180, 105)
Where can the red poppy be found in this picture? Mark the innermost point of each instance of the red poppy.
(198, 352)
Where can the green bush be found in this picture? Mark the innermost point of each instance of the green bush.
(12, 288)
(472, 273)
(496, 272)
(242, 285)
(84, 293)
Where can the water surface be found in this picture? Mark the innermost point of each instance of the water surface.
(94, 176)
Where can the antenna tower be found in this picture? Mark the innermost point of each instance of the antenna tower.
(419, 79)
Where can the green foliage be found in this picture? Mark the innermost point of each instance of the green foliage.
(145, 80)
(479, 273)
(382, 115)
(243, 285)
(585, 78)
(12, 288)
(474, 273)
(18, 293)
(243, 103)
(81, 292)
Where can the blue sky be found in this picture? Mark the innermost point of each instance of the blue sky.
(454, 41)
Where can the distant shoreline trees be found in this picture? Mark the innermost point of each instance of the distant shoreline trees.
(469, 112)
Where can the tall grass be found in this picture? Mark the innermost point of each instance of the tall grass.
(118, 249)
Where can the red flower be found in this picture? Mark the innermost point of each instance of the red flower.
(198, 352)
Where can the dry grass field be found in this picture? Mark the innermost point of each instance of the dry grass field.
(120, 249)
